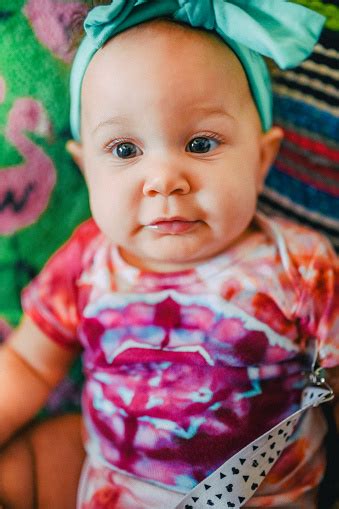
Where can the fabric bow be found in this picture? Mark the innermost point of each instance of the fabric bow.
(277, 29)
(283, 31)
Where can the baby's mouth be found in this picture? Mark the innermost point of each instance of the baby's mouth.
(172, 225)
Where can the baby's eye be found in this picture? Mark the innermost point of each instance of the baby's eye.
(201, 144)
(126, 150)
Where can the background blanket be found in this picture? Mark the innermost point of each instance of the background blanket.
(304, 182)
(42, 194)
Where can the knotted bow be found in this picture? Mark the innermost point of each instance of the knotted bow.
(278, 29)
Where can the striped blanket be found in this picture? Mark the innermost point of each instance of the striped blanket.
(304, 182)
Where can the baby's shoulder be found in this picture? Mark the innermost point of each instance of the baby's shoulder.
(90, 247)
(298, 240)
(74, 254)
(85, 232)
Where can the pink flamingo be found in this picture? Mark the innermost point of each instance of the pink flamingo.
(52, 22)
(25, 189)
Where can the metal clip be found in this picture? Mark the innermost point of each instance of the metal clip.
(317, 378)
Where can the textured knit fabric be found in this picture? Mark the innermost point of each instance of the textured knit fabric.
(184, 369)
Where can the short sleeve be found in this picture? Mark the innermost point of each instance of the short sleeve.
(317, 270)
(51, 299)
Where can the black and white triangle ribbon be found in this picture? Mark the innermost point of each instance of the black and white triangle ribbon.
(238, 478)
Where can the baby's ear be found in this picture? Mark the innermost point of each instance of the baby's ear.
(270, 144)
(75, 149)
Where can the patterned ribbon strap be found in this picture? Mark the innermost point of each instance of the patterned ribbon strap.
(238, 478)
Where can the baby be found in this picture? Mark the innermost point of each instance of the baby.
(194, 312)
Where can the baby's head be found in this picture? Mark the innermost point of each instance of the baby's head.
(172, 144)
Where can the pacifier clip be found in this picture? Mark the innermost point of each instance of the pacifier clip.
(235, 482)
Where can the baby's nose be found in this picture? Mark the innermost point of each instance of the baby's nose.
(166, 182)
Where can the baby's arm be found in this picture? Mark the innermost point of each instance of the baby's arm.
(31, 365)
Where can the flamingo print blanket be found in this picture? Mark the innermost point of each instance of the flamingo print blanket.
(42, 195)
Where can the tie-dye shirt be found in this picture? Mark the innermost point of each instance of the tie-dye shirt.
(184, 369)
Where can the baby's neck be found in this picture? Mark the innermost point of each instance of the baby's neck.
(150, 265)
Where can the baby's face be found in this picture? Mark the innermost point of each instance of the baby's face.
(172, 148)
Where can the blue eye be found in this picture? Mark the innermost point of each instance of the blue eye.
(126, 150)
(201, 145)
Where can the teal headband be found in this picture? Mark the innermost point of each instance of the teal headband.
(278, 29)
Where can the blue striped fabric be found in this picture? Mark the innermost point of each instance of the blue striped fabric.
(306, 106)
(300, 193)
(297, 114)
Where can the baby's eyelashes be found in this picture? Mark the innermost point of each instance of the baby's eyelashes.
(127, 149)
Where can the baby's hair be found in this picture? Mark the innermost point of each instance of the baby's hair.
(77, 27)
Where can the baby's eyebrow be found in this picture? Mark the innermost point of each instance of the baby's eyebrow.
(196, 111)
(110, 121)
(206, 110)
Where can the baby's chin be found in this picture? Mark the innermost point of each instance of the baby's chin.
(170, 254)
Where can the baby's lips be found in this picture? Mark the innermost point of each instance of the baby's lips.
(172, 225)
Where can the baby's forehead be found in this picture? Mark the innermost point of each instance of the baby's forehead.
(175, 46)
(161, 62)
